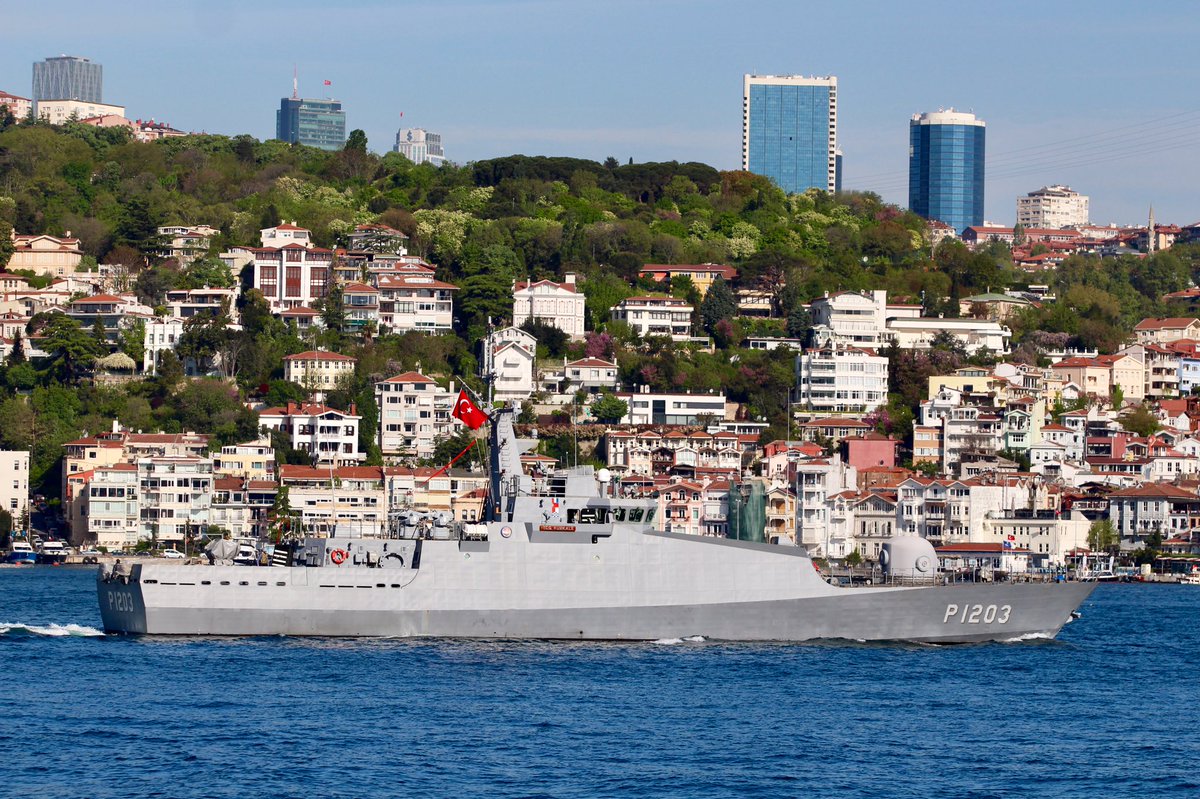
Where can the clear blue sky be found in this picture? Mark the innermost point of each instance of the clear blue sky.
(1100, 95)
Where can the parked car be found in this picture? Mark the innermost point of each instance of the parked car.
(173, 554)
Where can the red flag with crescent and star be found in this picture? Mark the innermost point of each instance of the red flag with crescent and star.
(468, 413)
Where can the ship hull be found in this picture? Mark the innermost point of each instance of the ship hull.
(361, 607)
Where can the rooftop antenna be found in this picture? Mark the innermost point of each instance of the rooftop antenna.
(295, 83)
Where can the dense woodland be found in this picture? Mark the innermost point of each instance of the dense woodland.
(484, 225)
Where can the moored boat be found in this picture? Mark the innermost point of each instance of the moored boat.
(53, 553)
(21, 554)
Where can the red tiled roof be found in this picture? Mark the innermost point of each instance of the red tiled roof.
(1155, 491)
(317, 355)
(1166, 323)
(409, 377)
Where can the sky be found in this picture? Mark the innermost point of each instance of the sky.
(1097, 95)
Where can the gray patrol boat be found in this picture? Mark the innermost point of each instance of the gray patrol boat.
(565, 559)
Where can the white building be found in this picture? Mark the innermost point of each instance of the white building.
(58, 112)
(329, 435)
(415, 302)
(14, 483)
(849, 317)
(253, 460)
(816, 482)
(111, 507)
(420, 146)
(284, 234)
(186, 303)
(318, 371)
(557, 304)
(241, 505)
(1052, 207)
(349, 500)
(656, 316)
(840, 379)
(186, 243)
(973, 334)
(867, 320)
(591, 374)
(162, 334)
(677, 409)
(512, 357)
(175, 495)
(414, 412)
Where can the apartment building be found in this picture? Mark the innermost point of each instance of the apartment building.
(669, 317)
(14, 484)
(837, 378)
(343, 500)
(327, 434)
(414, 411)
(176, 498)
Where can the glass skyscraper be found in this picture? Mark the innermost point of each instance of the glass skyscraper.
(789, 130)
(68, 77)
(317, 123)
(945, 167)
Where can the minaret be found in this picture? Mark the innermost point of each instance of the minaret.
(1151, 239)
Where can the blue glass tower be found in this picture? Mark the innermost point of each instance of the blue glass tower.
(317, 123)
(789, 130)
(945, 168)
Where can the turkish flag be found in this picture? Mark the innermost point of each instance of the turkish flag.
(467, 412)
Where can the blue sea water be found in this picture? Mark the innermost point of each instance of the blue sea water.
(1109, 709)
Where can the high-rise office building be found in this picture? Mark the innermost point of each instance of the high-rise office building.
(317, 123)
(68, 77)
(1052, 207)
(420, 146)
(945, 167)
(789, 130)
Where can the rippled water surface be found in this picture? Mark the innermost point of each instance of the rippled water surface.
(1107, 710)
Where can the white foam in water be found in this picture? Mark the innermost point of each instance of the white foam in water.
(1027, 637)
(691, 639)
(51, 630)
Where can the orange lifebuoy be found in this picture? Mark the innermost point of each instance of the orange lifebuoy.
(338, 556)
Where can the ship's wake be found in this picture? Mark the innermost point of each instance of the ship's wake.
(52, 630)
(691, 639)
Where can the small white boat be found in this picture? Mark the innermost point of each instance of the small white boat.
(53, 553)
(1191, 578)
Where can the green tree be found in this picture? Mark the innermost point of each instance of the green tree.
(799, 323)
(356, 142)
(1140, 421)
(206, 273)
(73, 348)
(547, 335)
(719, 304)
(133, 341)
(1102, 536)
(855, 558)
(7, 247)
(609, 408)
(333, 311)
